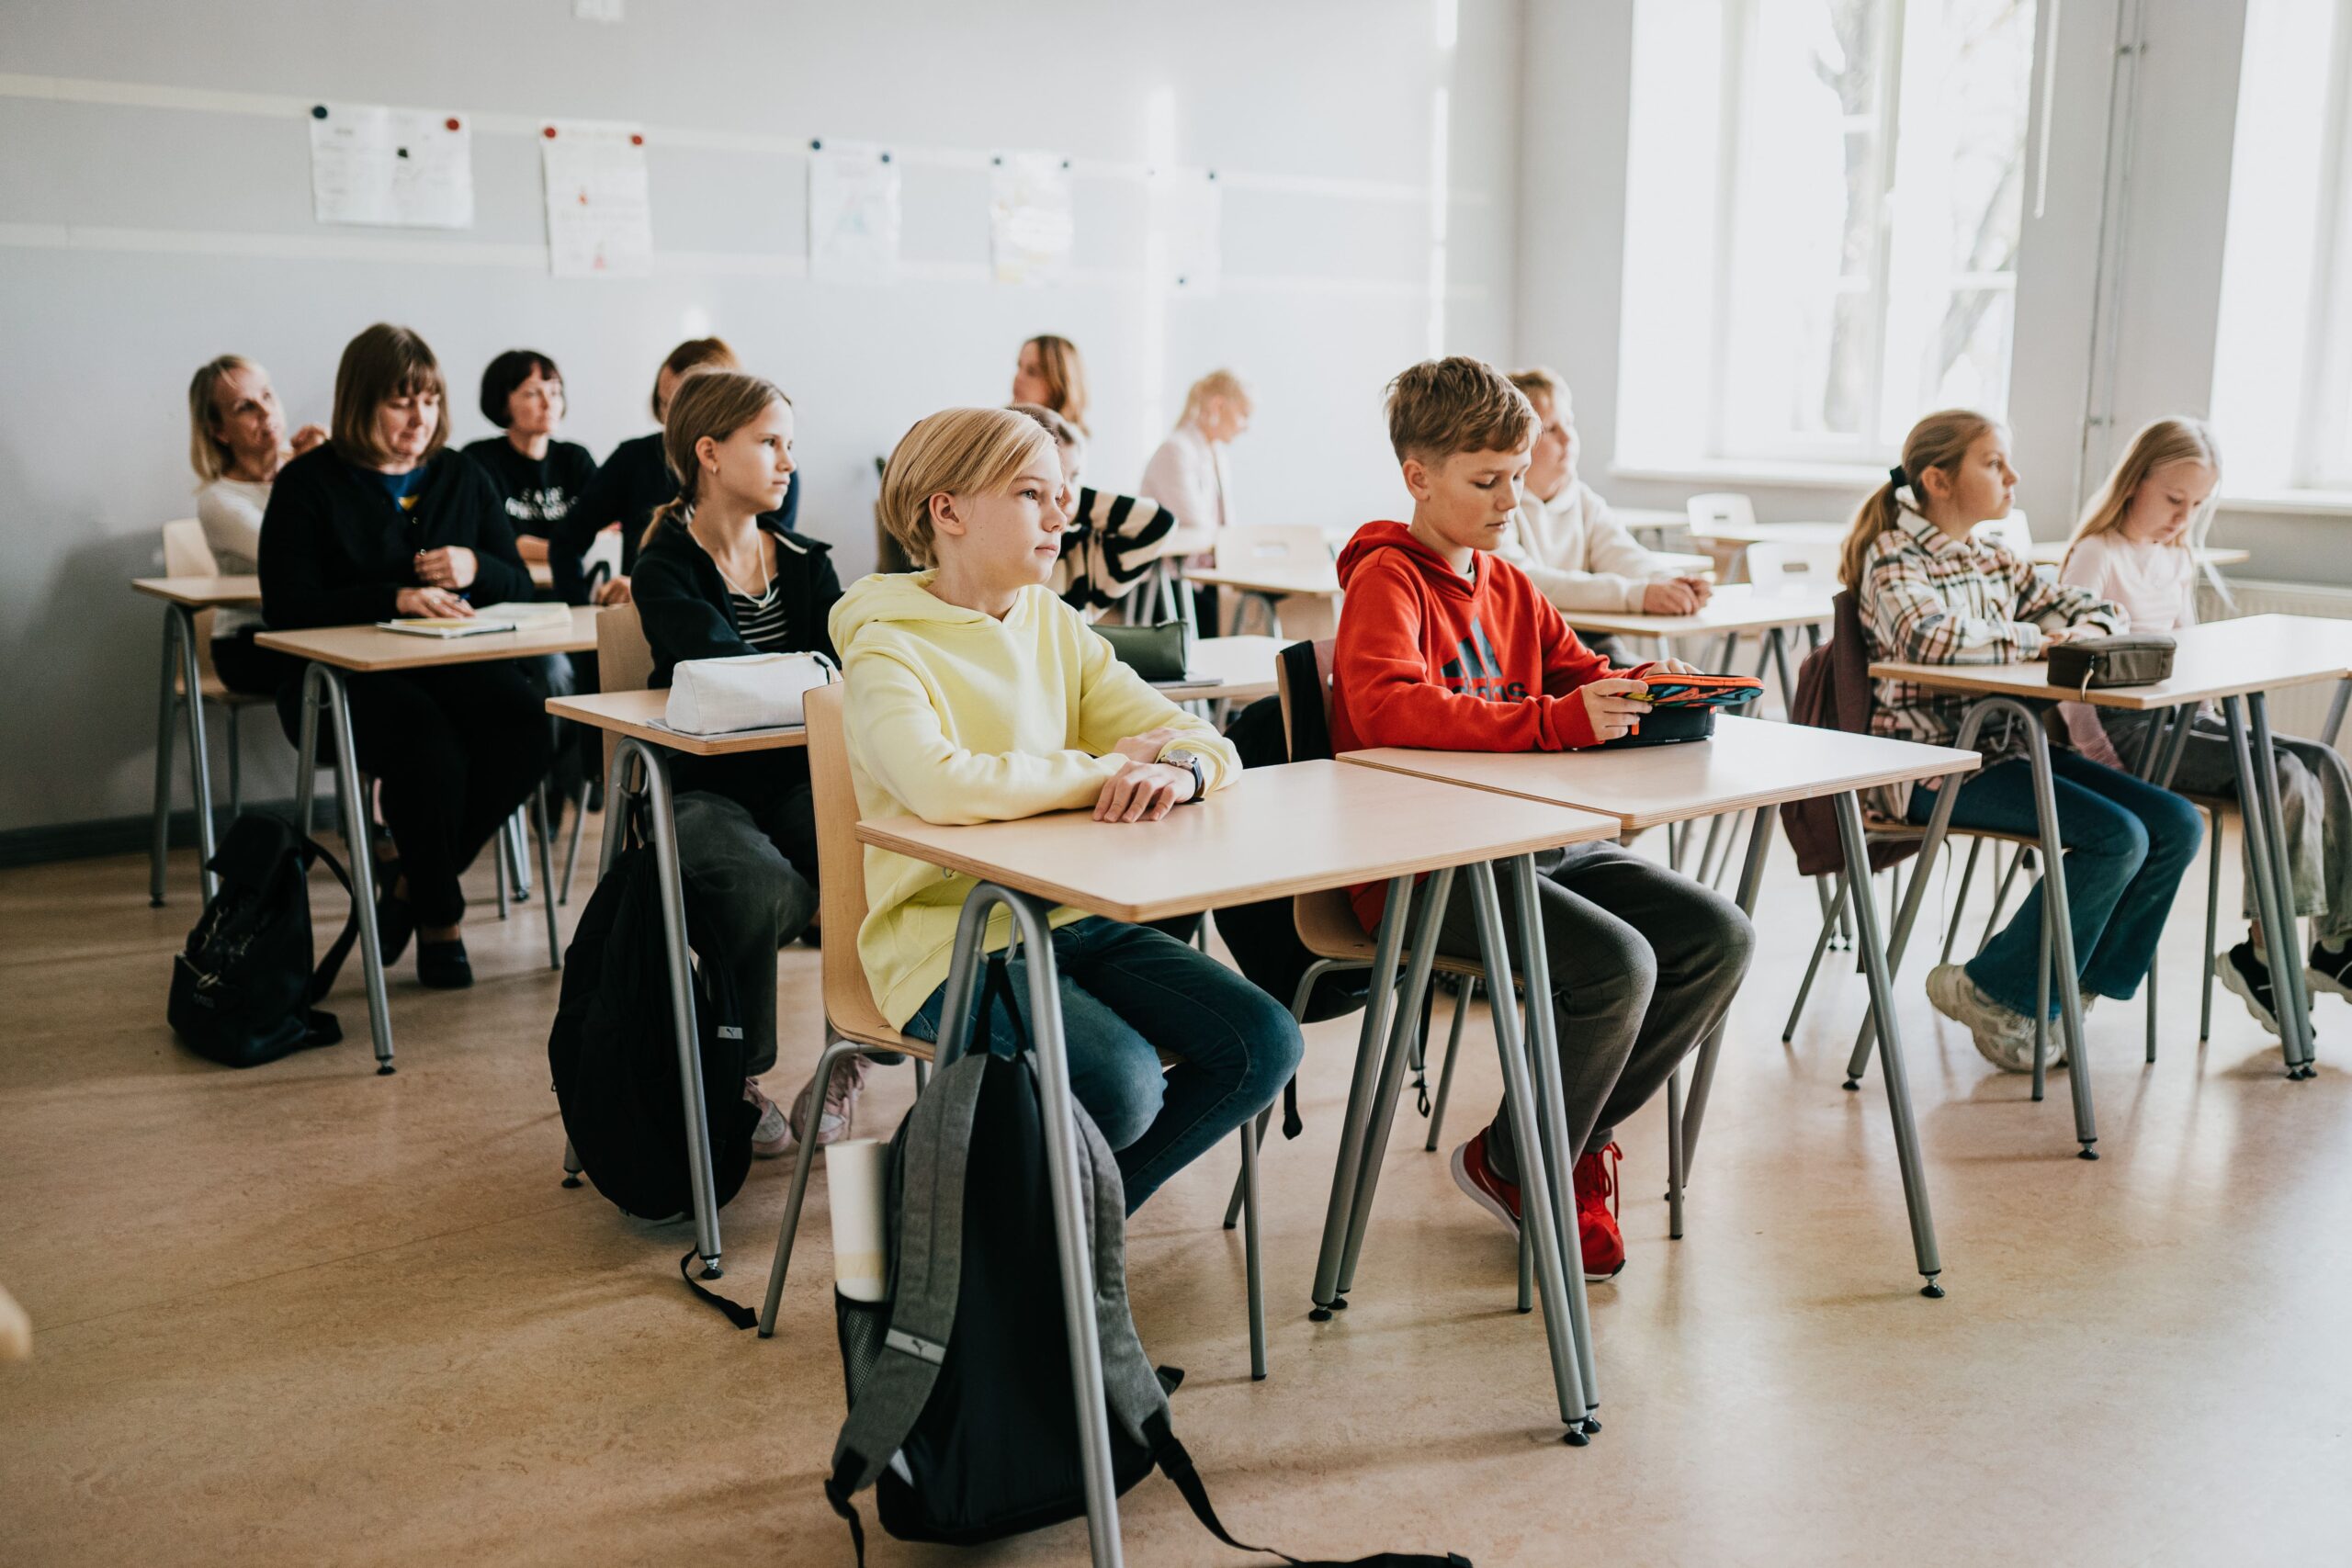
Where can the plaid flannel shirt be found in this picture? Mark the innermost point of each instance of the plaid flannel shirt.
(1928, 598)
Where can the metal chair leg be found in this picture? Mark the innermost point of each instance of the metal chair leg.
(572, 855)
(1960, 904)
(1250, 1263)
(570, 1164)
(2213, 922)
(236, 765)
(1829, 920)
(802, 1158)
(1464, 993)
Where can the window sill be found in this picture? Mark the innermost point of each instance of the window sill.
(2292, 503)
(1799, 476)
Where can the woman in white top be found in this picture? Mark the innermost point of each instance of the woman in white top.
(2136, 547)
(236, 444)
(1187, 474)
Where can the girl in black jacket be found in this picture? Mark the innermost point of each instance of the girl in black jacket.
(380, 523)
(717, 577)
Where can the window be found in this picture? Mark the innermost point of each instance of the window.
(1824, 203)
(2282, 364)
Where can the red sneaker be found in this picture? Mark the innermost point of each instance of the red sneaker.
(1476, 1177)
(1601, 1242)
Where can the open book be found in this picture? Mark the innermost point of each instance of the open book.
(424, 625)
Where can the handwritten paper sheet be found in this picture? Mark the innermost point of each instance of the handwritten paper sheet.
(397, 168)
(852, 213)
(600, 219)
(1030, 230)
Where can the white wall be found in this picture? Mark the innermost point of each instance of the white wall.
(138, 240)
(1576, 65)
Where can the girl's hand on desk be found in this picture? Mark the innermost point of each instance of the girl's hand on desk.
(433, 604)
(1142, 792)
(1614, 706)
(452, 566)
(1147, 747)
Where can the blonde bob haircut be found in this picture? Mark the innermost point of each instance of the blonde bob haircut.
(708, 403)
(383, 362)
(1942, 440)
(207, 453)
(1541, 382)
(953, 452)
(1223, 384)
(2159, 444)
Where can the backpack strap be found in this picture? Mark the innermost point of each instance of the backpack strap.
(1177, 1465)
(323, 977)
(928, 1266)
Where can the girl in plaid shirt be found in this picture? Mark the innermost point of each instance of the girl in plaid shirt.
(1929, 594)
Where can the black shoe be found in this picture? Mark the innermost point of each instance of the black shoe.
(2244, 972)
(2331, 968)
(395, 918)
(596, 795)
(443, 966)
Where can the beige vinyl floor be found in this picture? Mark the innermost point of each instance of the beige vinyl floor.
(303, 1314)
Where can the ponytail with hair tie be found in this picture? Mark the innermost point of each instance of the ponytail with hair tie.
(1896, 477)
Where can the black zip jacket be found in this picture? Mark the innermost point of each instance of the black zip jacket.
(337, 549)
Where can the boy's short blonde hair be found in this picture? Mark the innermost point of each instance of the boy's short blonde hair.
(955, 452)
(1441, 406)
(1541, 382)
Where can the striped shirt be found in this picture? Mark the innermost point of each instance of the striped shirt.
(760, 622)
(1928, 598)
(1108, 547)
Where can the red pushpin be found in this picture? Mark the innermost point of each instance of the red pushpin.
(548, 131)
(636, 139)
(452, 123)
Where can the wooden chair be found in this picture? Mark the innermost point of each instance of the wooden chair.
(1718, 508)
(853, 1025)
(186, 554)
(624, 663)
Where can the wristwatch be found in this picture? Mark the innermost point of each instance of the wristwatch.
(1180, 756)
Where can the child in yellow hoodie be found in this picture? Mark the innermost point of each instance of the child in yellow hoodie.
(974, 695)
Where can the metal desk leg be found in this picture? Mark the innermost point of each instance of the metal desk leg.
(1535, 1184)
(2271, 898)
(166, 714)
(664, 833)
(1932, 844)
(1388, 946)
(1702, 1074)
(546, 874)
(323, 686)
(1560, 1157)
(2066, 962)
(2293, 985)
(1404, 1024)
(1070, 1207)
(1898, 1081)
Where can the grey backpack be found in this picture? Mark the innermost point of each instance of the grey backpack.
(960, 1398)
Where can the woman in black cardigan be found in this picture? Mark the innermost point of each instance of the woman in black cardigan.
(717, 577)
(380, 522)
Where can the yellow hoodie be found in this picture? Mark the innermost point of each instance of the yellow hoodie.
(955, 716)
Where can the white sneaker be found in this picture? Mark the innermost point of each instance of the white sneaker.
(772, 1136)
(840, 1103)
(2003, 1038)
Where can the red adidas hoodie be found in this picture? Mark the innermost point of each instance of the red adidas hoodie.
(1428, 658)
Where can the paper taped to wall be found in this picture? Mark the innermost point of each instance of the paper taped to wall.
(600, 215)
(393, 168)
(852, 213)
(1030, 230)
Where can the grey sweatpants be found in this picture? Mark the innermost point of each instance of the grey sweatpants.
(2314, 795)
(752, 900)
(1644, 962)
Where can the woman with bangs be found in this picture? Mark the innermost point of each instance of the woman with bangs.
(382, 521)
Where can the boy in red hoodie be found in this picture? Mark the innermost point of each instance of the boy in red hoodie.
(1445, 646)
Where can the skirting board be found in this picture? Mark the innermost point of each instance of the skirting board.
(132, 835)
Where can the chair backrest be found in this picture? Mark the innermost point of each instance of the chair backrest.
(185, 552)
(1781, 567)
(2011, 533)
(841, 869)
(1720, 507)
(1292, 546)
(1305, 666)
(624, 659)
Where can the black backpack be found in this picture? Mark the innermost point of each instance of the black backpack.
(960, 1399)
(615, 1061)
(243, 991)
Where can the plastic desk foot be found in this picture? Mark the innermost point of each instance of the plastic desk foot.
(1933, 1290)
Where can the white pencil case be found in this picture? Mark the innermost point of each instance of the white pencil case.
(752, 691)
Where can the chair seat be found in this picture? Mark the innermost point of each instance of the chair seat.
(869, 1030)
(213, 691)
(1327, 925)
(1888, 828)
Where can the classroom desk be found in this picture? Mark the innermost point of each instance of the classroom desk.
(1269, 585)
(2052, 552)
(1739, 535)
(1655, 520)
(635, 721)
(1227, 669)
(1750, 765)
(181, 597)
(1275, 832)
(1732, 610)
(329, 655)
(2231, 663)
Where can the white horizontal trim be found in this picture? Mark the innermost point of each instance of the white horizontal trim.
(1712, 471)
(415, 245)
(2291, 503)
(286, 106)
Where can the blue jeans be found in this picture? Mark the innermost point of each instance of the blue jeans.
(1127, 993)
(2127, 843)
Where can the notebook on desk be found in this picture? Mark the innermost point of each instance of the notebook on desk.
(419, 626)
